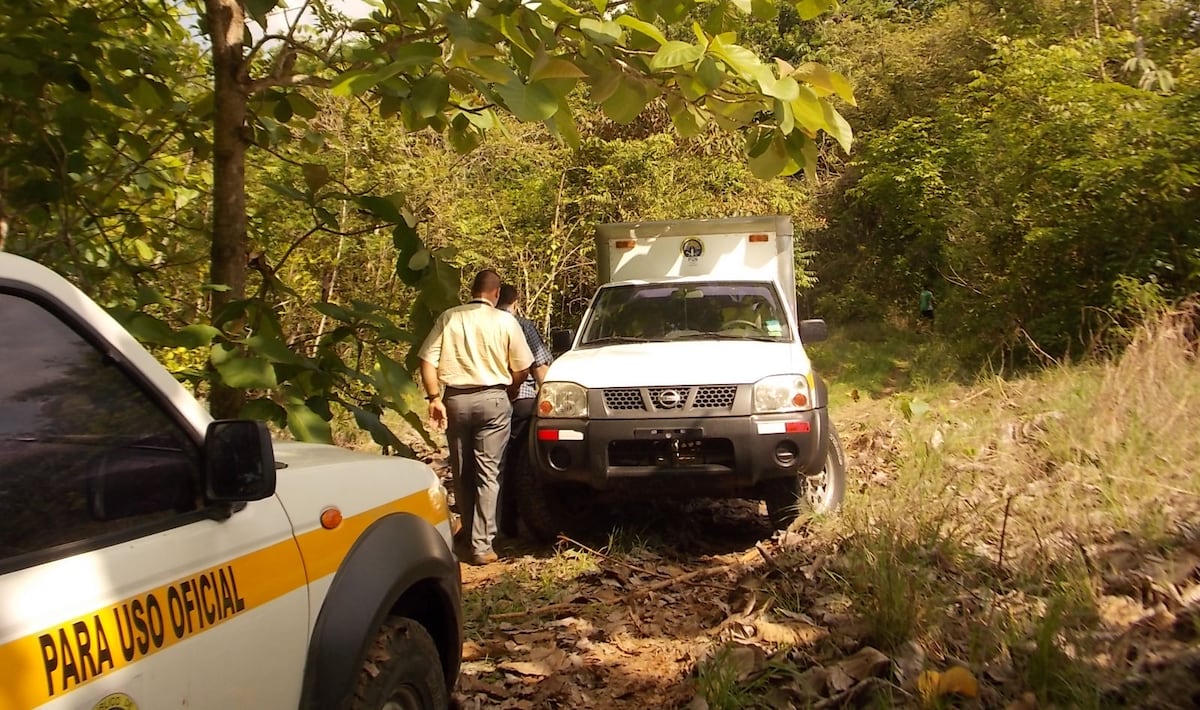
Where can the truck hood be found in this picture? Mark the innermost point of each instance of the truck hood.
(690, 362)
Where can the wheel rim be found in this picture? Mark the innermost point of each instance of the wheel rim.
(817, 490)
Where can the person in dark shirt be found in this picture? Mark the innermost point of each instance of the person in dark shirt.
(522, 412)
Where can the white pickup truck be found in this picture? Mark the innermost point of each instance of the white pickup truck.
(687, 377)
(152, 557)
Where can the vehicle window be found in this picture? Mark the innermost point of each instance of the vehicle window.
(83, 451)
(691, 310)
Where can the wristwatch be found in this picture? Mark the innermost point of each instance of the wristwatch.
(431, 397)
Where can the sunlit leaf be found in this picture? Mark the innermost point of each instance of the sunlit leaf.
(675, 53)
(307, 425)
(242, 372)
(533, 102)
(642, 27)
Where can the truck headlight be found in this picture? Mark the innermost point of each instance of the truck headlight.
(562, 399)
(782, 393)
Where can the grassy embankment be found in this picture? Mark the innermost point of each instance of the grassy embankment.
(1040, 531)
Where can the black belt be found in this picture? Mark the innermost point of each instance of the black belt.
(476, 388)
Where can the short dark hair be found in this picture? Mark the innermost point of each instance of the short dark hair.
(486, 280)
(508, 296)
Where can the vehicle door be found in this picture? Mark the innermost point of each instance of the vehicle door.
(118, 585)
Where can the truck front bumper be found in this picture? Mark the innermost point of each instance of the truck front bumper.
(718, 453)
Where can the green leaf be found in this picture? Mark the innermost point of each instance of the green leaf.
(407, 243)
(674, 54)
(826, 81)
(242, 372)
(302, 106)
(603, 33)
(642, 27)
(808, 110)
(741, 60)
(383, 208)
(430, 94)
(283, 110)
(273, 349)
(838, 127)
(547, 67)
(145, 96)
(144, 252)
(198, 335)
(307, 425)
(264, 409)
(626, 102)
(149, 329)
(809, 9)
(534, 102)
(393, 381)
(563, 124)
(259, 8)
(785, 89)
(688, 121)
(371, 423)
(768, 158)
(419, 260)
(316, 176)
(287, 191)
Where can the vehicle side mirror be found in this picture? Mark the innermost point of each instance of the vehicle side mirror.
(239, 461)
(813, 330)
(560, 341)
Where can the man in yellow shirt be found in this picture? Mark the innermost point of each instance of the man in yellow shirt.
(472, 364)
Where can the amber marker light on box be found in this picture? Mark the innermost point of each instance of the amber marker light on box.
(625, 243)
(331, 517)
(759, 238)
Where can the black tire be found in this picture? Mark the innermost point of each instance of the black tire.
(821, 492)
(546, 510)
(402, 670)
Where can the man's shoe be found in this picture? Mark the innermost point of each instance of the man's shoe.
(485, 558)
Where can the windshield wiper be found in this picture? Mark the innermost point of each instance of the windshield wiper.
(716, 335)
(619, 339)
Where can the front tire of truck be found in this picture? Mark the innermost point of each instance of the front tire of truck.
(547, 510)
(821, 492)
(402, 670)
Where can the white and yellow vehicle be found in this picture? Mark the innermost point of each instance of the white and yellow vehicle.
(152, 557)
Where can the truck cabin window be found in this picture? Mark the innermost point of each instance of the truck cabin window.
(715, 310)
(84, 452)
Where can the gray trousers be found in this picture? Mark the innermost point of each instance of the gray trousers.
(477, 429)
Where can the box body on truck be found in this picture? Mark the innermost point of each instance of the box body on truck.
(152, 557)
(687, 377)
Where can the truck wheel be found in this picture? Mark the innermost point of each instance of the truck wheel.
(546, 510)
(821, 492)
(402, 670)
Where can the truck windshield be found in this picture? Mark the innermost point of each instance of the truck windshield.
(686, 311)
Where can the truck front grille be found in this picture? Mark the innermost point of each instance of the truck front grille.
(666, 399)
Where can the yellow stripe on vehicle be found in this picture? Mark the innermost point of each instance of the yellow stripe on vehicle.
(323, 549)
(48, 664)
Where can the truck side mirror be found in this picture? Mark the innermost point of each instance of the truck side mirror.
(560, 341)
(813, 330)
(239, 461)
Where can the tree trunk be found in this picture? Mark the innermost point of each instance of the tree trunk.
(227, 25)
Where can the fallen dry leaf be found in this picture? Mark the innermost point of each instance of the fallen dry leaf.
(867, 663)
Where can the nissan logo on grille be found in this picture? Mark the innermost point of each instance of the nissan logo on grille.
(669, 399)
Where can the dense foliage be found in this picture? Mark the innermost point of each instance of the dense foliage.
(1034, 163)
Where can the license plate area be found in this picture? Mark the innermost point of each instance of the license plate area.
(668, 434)
(670, 448)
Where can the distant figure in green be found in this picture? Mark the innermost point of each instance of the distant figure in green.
(926, 304)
